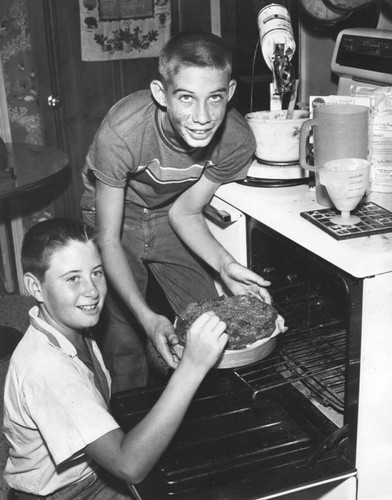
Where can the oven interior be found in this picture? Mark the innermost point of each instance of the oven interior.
(284, 422)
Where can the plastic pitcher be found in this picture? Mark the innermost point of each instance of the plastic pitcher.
(339, 131)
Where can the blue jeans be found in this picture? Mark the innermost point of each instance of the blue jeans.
(93, 487)
(148, 240)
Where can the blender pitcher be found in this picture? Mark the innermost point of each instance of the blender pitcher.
(339, 131)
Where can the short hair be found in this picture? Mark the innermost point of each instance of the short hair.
(193, 49)
(43, 239)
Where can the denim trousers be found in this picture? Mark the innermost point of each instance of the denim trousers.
(96, 486)
(148, 240)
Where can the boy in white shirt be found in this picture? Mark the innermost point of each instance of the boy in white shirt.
(63, 439)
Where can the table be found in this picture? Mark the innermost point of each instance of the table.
(33, 166)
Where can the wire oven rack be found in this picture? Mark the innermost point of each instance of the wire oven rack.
(316, 358)
(312, 352)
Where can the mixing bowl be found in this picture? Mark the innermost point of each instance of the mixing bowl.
(277, 139)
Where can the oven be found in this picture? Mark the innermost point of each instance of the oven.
(287, 425)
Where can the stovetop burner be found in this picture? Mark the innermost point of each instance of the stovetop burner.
(263, 173)
(272, 183)
(277, 163)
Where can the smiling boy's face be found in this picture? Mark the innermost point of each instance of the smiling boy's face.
(195, 100)
(72, 293)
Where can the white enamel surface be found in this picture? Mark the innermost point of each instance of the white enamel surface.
(374, 448)
(280, 208)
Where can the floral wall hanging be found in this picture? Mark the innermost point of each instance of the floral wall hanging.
(123, 29)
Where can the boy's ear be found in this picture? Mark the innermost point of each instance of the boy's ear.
(33, 286)
(232, 87)
(158, 92)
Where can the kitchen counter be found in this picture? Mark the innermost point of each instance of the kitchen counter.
(280, 208)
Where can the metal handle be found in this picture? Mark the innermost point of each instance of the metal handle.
(219, 217)
(303, 145)
(54, 101)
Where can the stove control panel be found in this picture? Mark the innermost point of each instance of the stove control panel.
(364, 55)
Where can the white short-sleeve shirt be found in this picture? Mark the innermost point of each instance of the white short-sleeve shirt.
(52, 410)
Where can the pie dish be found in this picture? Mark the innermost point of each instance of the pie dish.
(252, 326)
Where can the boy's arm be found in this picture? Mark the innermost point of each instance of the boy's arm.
(109, 214)
(133, 455)
(186, 218)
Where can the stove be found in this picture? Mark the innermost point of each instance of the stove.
(282, 423)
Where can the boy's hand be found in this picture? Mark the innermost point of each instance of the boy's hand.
(205, 341)
(242, 281)
(162, 335)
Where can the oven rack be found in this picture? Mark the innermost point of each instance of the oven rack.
(315, 358)
(311, 354)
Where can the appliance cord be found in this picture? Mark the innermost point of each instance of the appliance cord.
(253, 75)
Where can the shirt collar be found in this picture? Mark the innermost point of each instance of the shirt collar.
(55, 338)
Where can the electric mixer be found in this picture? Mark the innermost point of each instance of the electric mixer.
(277, 46)
(276, 131)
